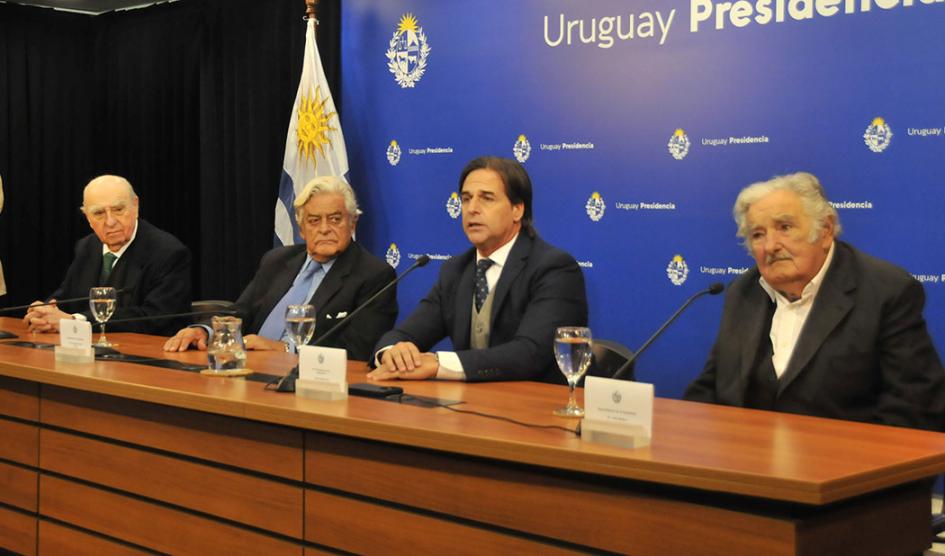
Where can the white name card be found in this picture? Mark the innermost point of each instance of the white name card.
(619, 408)
(323, 364)
(75, 334)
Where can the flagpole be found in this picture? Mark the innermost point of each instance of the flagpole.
(310, 10)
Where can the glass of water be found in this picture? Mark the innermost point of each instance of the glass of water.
(300, 324)
(102, 302)
(573, 352)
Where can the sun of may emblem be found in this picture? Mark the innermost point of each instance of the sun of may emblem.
(313, 125)
(407, 52)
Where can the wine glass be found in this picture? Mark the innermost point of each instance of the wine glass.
(102, 302)
(300, 324)
(573, 352)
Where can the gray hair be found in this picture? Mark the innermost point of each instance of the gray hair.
(805, 185)
(327, 184)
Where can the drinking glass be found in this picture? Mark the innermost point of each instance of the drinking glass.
(573, 353)
(102, 302)
(300, 324)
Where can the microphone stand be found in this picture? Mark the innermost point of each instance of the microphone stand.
(4, 335)
(714, 289)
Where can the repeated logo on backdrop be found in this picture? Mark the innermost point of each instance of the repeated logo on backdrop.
(595, 207)
(393, 255)
(677, 271)
(878, 135)
(679, 144)
(393, 153)
(407, 52)
(522, 149)
(454, 206)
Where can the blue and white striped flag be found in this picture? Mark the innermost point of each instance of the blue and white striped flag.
(314, 145)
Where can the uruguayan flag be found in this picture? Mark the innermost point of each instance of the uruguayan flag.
(314, 145)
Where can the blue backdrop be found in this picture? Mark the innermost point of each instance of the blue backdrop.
(639, 121)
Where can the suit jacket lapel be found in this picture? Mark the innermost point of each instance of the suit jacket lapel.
(281, 283)
(514, 265)
(831, 305)
(756, 317)
(333, 281)
(89, 275)
(463, 300)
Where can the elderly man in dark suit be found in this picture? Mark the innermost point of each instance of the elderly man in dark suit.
(818, 327)
(499, 302)
(125, 252)
(330, 271)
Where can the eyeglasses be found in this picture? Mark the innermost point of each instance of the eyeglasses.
(100, 213)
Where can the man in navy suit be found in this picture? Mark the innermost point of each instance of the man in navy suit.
(818, 327)
(124, 252)
(330, 271)
(498, 302)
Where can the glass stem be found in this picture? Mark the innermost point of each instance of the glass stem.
(101, 339)
(572, 402)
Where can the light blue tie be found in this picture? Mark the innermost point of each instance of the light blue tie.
(274, 326)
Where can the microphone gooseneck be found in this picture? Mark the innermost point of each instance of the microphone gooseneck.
(58, 301)
(713, 289)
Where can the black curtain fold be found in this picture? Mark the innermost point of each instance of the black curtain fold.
(190, 101)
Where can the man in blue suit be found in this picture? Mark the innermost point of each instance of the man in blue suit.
(499, 302)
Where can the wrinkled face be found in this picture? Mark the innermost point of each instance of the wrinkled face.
(490, 220)
(111, 211)
(779, 232)
(326, 226)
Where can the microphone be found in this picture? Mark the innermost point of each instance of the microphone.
(713, 289)
(287, 383)
(58, 301)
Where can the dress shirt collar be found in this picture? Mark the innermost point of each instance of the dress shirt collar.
(309, 261)
(500, 255)
(124, 247)
(810, 290)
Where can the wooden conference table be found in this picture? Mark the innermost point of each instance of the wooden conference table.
(113, 457)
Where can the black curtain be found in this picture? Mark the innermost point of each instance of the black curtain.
(190, 101)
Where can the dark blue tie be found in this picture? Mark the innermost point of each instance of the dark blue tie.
(482, 285)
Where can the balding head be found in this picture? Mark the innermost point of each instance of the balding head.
(111, 207)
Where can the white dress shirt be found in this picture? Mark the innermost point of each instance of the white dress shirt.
(790, 316)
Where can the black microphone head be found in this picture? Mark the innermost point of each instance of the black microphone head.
(716, 288)
(422, 260)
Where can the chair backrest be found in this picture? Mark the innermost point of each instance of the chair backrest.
(210, 305)
(608, 357)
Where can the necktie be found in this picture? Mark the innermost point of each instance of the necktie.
(482, 286)
(108, 261)
(274, 326)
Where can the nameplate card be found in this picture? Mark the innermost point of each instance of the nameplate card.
(619, 403)
(75, 334)
(323, 364)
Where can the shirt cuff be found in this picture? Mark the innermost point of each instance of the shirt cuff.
(205, 327)
(379, 354)
(451, 368)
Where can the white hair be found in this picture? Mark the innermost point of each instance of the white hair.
(805, 185)
(327, 184)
